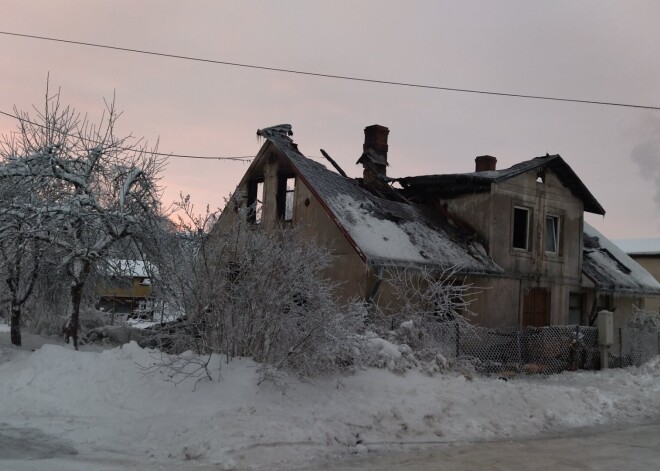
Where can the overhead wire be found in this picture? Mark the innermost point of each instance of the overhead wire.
(330, 76)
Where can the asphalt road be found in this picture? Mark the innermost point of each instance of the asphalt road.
(624, 449)
(632, 448)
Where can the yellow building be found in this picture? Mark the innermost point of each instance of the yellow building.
(126, 288)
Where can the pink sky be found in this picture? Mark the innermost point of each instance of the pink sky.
(594, 50)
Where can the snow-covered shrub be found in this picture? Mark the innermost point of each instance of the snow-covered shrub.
(250, 291)
(641, 319)
(428, 310)
(426, 305)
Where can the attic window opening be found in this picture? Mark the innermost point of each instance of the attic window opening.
(521, 232)
(285, 197)
(551, 236)
(255, 201)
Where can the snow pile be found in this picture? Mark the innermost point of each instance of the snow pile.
(103, 406)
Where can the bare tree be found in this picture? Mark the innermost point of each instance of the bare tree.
(95, 189)
(425, 303)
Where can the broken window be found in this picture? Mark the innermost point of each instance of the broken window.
(551, 237)
(285, 192)
(255, 201)
(521, 229)
(574, 308)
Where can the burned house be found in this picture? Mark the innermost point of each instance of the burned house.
(518, 233)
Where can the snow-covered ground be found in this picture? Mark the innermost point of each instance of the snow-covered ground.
(62, 409)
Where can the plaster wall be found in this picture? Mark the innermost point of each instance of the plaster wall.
(491, 214)
(652, 264)
(309, 216)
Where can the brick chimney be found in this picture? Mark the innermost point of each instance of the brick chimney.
(485, 163)
(375, 137)
(374, 156)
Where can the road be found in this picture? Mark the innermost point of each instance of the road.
(633, 448)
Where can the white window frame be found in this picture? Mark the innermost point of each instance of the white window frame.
(556, 234)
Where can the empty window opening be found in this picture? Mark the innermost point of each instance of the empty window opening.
(551, 238)
(285, 197)
(574, 308)
(521, 220)
(255, 201)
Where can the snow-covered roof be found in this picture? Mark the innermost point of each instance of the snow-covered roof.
(611, 269)
(639, 246)
(385, 232)
(135, 268)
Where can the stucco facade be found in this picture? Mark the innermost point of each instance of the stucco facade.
(517, 234)
(558, 273)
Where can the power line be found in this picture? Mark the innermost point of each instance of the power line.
(245, 158)
(331, 76)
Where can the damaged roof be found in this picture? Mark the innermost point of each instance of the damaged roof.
(611, 269)
(385, 232)
(476, 182)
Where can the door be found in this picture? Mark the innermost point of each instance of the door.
(536, 307)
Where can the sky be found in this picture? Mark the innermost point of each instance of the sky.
(589, 50)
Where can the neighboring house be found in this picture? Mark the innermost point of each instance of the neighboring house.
(646, 252)
(518, 234)
(126, 288)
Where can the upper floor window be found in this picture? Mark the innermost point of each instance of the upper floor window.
(285, 193)
(521, 228)
(551, 235)
(255, 201)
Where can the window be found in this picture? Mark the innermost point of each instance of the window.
(521, 232)
(285, 191)
(255, 201)
(574, 308)
(606, 302)
(551, 236)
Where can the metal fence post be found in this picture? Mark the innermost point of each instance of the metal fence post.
(620, 348)
(458, 341)
(519, 345)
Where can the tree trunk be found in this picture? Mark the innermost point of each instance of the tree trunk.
(71, 329)
(15, 325)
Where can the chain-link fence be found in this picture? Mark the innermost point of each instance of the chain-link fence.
(546, 350)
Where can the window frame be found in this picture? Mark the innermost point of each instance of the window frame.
(575, 306)
(556, 233)
(528, 229)
(255, 205)
(282, 197)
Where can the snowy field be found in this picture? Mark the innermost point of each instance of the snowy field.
(97, 410)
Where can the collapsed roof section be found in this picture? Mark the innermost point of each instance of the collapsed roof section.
(455, 184)
(385, 232)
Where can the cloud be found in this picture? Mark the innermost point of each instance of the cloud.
(646, 155)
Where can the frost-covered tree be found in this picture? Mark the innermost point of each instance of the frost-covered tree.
(425, 303)
(93, 188)
(20, 252)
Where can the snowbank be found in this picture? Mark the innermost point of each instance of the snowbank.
(101, 404)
